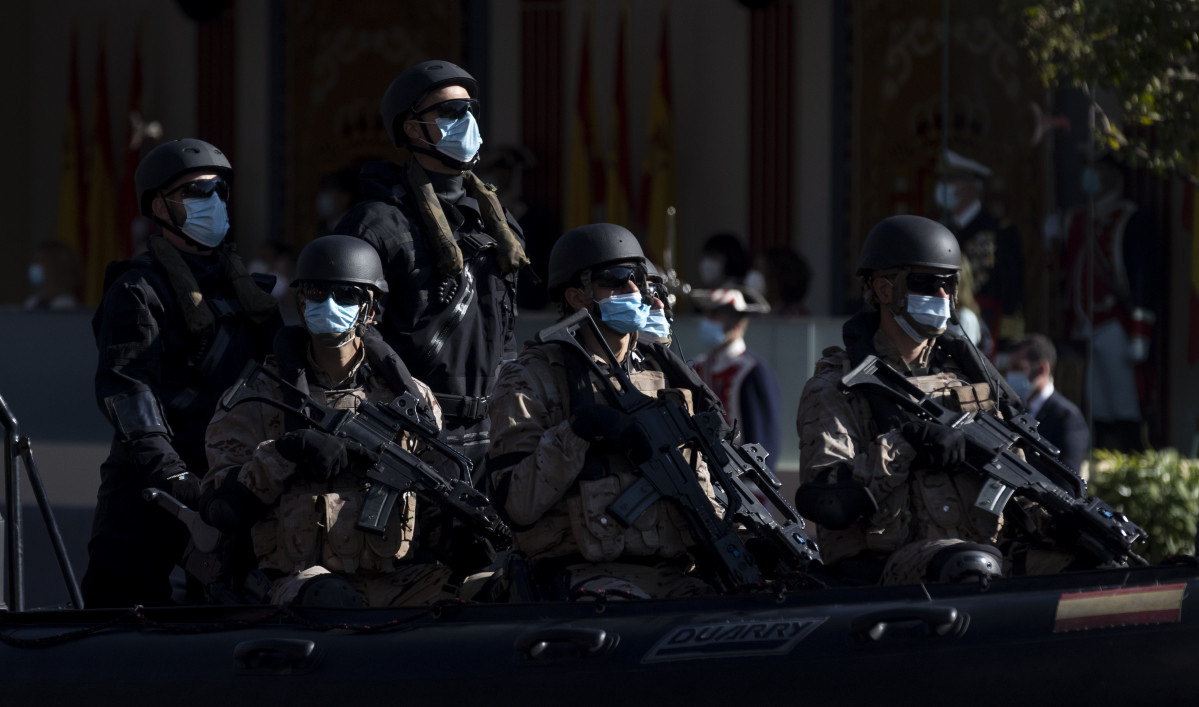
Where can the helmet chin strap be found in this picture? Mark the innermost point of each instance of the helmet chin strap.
(430, 149)
(177, 229)
(179, 232)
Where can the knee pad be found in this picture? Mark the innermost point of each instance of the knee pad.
(966, 562)
(329, 590)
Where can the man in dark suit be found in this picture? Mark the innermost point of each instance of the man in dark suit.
(1030, 372)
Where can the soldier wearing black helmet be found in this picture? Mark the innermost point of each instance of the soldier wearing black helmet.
(883, 490)
(555, 460)
(174, 328)
(450, 250)
(266, 471)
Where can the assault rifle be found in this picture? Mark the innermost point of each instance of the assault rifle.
(991, 446)
(379, 428)
(668, 426)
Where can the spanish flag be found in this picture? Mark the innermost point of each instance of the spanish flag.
(619, 211)
(1108, 608)
(657, 170)
(103, 244)
(128, 208)
(70, 226)
(1191, 219)
(586, 189)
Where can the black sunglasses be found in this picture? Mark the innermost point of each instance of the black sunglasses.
(203, 188)
(453, 108)
(345, 295)
(615, 276)
(928, 283)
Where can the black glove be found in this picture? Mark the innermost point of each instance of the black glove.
(610, 431)
(180, 483)
(937, 446)
(320, 456)
(231, 508)
(834, 498)
(599, 424)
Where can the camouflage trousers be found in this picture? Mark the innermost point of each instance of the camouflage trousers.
(909, 564)
(409, 585)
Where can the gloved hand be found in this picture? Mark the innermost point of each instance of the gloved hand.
(231, 509)
(602, 426)
(610, 431)
(937, 446)
(320, 456)
(178, 482)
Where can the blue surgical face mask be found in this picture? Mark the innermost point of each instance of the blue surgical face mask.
(711, 332)
(332, 323)
(1020, 382)
(460, 138)
(624, 313)
(1092, 183)
(926, 317)
(37, 274)
(207, 220)
(656, 325)
(946, 196)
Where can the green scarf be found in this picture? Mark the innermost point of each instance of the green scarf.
(200, 320)
(509, 255)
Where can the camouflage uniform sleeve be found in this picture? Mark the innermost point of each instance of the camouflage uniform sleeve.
(835, 429)
(534, 455)
(241, 442)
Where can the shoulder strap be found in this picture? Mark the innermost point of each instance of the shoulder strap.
(680, 375)
(389, 364)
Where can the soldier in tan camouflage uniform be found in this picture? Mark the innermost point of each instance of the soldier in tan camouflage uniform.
(883, 488)
(299, 491)
(555, 458)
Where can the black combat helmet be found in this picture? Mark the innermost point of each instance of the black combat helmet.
(410, 87)
(900, 241)
(590, 246)
(170, 160)
(340, 259)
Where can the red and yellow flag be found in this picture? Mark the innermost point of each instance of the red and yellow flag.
(658, 167)
(103, 243)
(586, 189)
(618, 210)
(127, 200)
(1191, 219)
(70, 225)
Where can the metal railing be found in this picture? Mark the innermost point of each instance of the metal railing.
(17, 451)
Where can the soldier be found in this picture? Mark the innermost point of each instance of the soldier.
(555, 459)
(175, 327)
(992, 246)
(744, 381)
(450, 250)
(299, 491)
(881, 487)
(1113, 293)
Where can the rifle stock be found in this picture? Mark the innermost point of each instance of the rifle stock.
(380, 428)
(991, 450)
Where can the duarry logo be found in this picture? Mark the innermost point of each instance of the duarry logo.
(715, 639)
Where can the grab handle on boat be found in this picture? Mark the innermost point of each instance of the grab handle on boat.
(906, 623)
(275, 656)
(564, 643)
